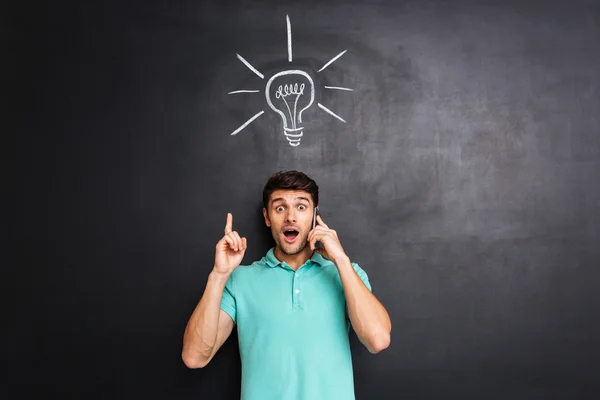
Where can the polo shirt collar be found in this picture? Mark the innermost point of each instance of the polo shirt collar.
(273, 262)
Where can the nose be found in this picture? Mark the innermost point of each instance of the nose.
(290, 216)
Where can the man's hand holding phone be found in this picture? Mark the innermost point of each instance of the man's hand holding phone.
(330, 248)
(230, 249)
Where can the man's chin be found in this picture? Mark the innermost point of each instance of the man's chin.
(292, 250)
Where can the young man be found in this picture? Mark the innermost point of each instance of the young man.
(293, 308)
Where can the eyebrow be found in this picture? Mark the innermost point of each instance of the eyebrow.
(285, 200)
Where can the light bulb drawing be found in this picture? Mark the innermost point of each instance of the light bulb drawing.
(287, 98)
(289, 93)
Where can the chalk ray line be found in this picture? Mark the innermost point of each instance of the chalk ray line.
(332, 60)
(248, 122)
(330, 112)
(242, 59)
(244, 91)
(289, 37)
(339, 88)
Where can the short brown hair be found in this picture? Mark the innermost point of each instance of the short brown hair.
(290, 180)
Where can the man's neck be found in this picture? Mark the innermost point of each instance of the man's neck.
(295, 261)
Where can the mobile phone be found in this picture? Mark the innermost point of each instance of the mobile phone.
(318, 245)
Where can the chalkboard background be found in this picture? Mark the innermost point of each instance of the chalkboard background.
(465, 181)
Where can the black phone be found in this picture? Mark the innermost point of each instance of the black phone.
(318, 245)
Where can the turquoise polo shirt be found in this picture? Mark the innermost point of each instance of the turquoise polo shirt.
(293, 330)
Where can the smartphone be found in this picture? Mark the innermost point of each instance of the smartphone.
(318, 245)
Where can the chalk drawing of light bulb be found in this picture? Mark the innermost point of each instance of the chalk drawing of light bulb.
(289, 94)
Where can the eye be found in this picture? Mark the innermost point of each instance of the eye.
(279, 208)
(302, 207)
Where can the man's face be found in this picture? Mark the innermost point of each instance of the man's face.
(290, 215)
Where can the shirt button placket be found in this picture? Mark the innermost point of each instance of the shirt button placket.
(297, 291)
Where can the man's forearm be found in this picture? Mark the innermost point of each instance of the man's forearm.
(200, 333)
(369, 318)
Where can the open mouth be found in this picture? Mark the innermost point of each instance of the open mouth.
(290, 234)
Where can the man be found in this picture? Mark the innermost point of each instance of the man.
(293, 308)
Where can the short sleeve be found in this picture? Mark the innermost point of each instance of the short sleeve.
(363, 276)
(228, 299)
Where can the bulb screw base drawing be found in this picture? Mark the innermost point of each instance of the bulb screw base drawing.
(293, 135)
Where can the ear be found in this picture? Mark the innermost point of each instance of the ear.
(266, 215)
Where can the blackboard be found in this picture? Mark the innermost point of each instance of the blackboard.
(461, 170)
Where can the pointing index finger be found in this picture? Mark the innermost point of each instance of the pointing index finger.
(228, 225)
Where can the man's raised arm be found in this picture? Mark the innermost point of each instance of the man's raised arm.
(209, 326)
